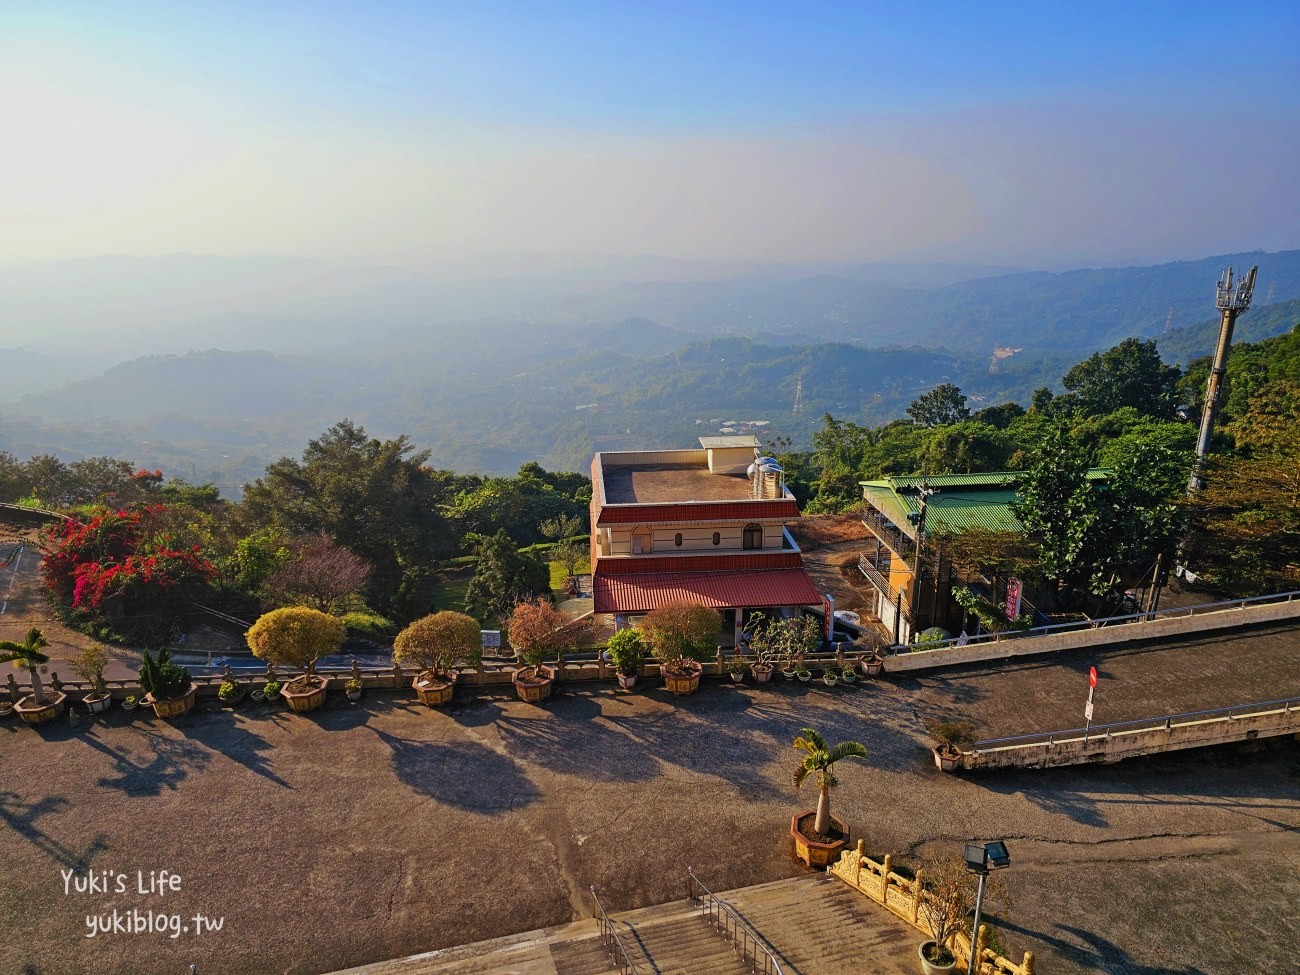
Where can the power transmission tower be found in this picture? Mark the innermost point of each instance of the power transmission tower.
(798, 395)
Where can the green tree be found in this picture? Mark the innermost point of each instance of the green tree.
(503, 577)
(1086, 532)
(1001, 416)
(1129, 374)
(818, 763)
(372, 497)
(1054, 503)
(838, 449)
(942, 405)
(28, 654)
(965, 448)
(1246, 520)
(567, 549)
(519, 504)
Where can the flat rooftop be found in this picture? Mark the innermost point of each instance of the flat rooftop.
(670, 483)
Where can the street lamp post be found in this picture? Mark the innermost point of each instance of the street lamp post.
(979, 860)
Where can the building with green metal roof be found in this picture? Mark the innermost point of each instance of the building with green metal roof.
(897, 507)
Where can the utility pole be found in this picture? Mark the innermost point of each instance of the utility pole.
(917, 518)
(1231, 301)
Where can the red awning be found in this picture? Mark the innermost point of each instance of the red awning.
(642, 592)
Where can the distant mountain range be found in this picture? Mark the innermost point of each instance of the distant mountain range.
(560, 374)
(122, 307)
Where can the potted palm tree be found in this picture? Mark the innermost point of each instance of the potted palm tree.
(682, 635)
(437, 644)
(818, 836)
(167, 686)
(949, 736)
(625, 650)
(297, 636)
(540, 632)
(37, 707)
(89, 664)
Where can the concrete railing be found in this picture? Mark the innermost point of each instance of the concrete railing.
(1114, 742)
(1178, 621)
(904, 896)
(491, 672)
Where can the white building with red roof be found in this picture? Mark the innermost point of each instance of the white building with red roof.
(707, 525)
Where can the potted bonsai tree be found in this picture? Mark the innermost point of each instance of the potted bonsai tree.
(681, 635)
(89, 664)
(540, 632)
(297, 636)
(818, 836)
(625, 652)
(37, 707)
(437, 644)
(949, 736)
(230, 693)
(947, 901)
(167, 686)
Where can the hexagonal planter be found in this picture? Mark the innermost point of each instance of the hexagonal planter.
(34, 713)
(305, 700)
(811, 852)
(433, 690)
(534, 691)
(173, 707)
(680, 683)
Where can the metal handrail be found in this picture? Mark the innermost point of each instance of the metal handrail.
(1173, 612)
(613, 943)
(748, 935)
(1235, 712)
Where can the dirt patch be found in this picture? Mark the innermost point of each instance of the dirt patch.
(816, 531)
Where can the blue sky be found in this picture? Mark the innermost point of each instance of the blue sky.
(1028, 133)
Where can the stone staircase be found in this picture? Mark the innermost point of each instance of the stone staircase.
(816, 925)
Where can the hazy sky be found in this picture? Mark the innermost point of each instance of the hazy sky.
(1038, 133)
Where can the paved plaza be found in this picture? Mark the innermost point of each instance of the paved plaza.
(367, 832)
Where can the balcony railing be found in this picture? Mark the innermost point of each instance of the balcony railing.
(880, 579)
(900, 543)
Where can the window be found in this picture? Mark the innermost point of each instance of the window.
(641, 541)
(753, 536)
(717, 538)
(677, 539)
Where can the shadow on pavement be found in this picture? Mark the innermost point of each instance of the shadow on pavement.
(20, 817)
(463, 774)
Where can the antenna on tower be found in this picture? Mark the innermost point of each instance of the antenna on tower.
(798, 395)
(1231, 300)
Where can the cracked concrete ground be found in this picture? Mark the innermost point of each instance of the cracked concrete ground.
(367, 832)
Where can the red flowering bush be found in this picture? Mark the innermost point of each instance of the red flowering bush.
(125, 557)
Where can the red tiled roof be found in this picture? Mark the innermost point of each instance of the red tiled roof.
(636, 514)
(643, 592)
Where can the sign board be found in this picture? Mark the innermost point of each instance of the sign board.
(1087, 711)
(1092, 676)
(491, 638)
(1014, 588)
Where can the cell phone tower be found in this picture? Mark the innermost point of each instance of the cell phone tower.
(1232, 300)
